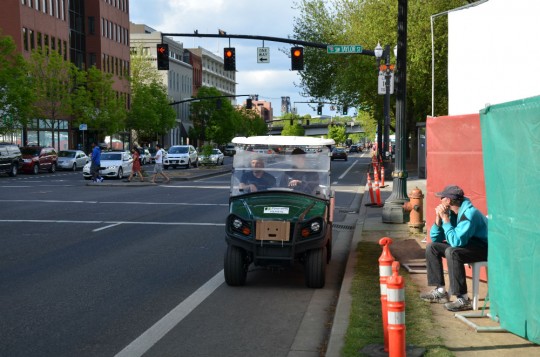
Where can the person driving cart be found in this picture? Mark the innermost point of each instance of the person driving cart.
(256, 179)
(300, 180)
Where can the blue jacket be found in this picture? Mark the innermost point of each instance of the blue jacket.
(468, 223)
(96, 155)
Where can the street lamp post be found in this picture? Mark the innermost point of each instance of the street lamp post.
(393, 207)
(386, 73)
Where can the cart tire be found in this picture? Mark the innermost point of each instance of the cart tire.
(235, 266)
(315, 268)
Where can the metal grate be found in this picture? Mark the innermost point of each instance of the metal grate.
(343, 226)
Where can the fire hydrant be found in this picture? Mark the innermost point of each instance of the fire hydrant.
(415, 207)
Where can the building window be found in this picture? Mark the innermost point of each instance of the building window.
(91, 25)
(44, 7)
(51, 9)
(39, 41)
(91, 59)
(63, 14)
(53, 43)
(65, 50)
(25, 38)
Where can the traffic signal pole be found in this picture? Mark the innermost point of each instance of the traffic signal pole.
(264, 38)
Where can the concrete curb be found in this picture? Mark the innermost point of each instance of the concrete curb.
(340, 323)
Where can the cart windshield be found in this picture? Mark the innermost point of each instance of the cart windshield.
(304, 169)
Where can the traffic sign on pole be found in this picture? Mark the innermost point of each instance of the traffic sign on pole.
(343, 49)
(263, 54)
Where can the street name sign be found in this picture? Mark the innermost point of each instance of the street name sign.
(263, 54)
(343, 49)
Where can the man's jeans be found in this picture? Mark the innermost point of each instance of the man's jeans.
(456, 257)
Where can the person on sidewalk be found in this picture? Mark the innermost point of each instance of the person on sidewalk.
(158, 167)
(459, 234)
(136, 169)
(96, 163)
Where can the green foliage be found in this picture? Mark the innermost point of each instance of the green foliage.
(54, 83)
(352, 79)
(95, 103)
(338, 133)
(151, 114)
(15, 86)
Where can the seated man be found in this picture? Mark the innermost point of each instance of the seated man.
(303, 181)
(256, 180)
(459, 234)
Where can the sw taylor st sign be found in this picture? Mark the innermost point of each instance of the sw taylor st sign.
(343, 49)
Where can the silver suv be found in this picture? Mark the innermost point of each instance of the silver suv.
(10, 159)
(181, 155)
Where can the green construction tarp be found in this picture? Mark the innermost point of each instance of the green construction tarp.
(511, 150)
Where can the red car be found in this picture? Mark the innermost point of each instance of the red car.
(36, 158)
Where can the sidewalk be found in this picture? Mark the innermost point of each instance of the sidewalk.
(458, 337)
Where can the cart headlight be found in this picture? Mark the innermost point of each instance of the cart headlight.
(312, 228)
(240, 226)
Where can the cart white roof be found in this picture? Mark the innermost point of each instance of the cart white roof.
(282, 140)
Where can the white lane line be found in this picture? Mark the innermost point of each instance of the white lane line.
(110, 222)
(103, 228)
(346, 171)
(122, 203)
(155, 333)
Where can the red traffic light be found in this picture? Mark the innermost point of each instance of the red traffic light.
(229, 59)
(297, 58)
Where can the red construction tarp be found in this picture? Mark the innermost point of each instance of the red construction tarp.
(454, 157)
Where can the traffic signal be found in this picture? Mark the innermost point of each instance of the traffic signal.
(249, 103)
(163, 56)
(319, 109)
(345, 110)
(229, 59)
(297, 58)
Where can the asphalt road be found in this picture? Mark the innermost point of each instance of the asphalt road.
(137, 270)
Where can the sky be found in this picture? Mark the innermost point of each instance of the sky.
(274, 18)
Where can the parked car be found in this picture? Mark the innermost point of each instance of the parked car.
(113, 164)
(339, 153)
(230, 150)
(355, 148)
(181, 155)
(10, 159)
(216, 158)
(38, 158)
(72, 159)
(144, 156)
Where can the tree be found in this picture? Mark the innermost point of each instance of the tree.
(151, 114)
(53, 85)
(95, 103)
(352, 79)
(16, 94)
(337, 132)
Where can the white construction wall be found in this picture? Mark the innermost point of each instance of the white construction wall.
(493, 54)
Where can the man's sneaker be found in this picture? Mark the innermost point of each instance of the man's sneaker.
(459, 305)
(435, 296)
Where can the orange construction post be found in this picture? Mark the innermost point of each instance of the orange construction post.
(382, 176)
(378, 194)
(385, 271)
(396, 313)
(371, 194)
